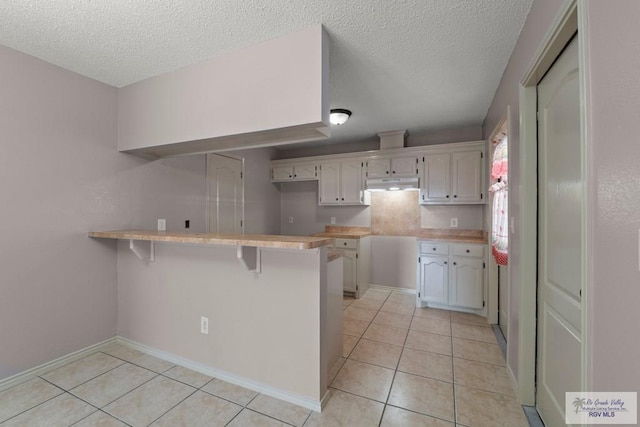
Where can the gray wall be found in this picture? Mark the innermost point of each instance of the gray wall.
(300, 200)
(61, 176)
(539, 20)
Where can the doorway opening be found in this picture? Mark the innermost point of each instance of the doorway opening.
(225, 190)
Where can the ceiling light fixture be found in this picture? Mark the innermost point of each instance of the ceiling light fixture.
(339, 116)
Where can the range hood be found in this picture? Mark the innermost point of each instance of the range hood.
(392, 184)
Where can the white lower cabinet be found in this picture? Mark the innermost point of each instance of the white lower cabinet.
(451, 275)
(356, 264)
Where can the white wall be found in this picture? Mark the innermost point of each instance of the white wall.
(300, 200)
(61, 176)
(613, 104)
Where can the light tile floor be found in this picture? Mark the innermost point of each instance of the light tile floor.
(401, 366)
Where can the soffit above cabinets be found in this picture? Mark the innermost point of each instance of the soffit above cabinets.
(269, 94)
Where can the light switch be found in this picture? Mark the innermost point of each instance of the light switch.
(454, 222)
(290, 220)
(162, 225)
(333, 220)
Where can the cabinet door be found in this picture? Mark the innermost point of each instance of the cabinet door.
(304, 172)
(404, 166)
(435, 186)
(351, 182)
(467, 283)
(282, 173)
(350, 270)
(378, 168)
(467, 177)
(329, 185)
(434, 279)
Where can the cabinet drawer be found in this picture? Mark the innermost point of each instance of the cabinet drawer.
(434, 248)
(467, 250)
(346, 243)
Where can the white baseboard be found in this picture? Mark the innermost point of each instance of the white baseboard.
(393, 288)
(296, 399)
(54, 364)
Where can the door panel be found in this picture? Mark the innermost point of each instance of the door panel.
(436, 178)
(350, 271)
(328, 189)
(560, 241)
(404, 166)
(467, 283)
(467, 169)
(351, 182)
(378, 168)
(226, 198)
(434, 272)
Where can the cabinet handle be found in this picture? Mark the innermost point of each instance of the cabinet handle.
(289, 176)
(445, 262)
(387, 172)
(343, 198)
(447, 196)
(345, 243)
(336, 199)
(434, 249)
(455, 263)
(455, 196)
(394, 171)
(468, 251)
(295, 175)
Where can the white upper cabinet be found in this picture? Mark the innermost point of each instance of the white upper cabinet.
(436, 186)
(466, 176)
(404, 166)
(329, 185)
(378, 168)
(341, 183)
(399, 167)
(298, 172)
(351, 185)
(454, 177)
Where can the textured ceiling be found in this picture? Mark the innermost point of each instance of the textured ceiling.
(397, 64)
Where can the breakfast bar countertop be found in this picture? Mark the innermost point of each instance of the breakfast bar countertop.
(253, 240)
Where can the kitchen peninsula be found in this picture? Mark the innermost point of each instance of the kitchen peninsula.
(273, 306)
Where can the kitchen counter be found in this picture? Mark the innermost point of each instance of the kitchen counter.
(251, 240)
(445, 235)
(338, 232)
(453, 236)
(278, 297)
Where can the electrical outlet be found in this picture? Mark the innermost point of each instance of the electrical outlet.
(290, 220)
(454, 222)
(204, 325)
(333, 220)
(162, 225)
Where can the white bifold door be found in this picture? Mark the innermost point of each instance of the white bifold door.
(560, 237)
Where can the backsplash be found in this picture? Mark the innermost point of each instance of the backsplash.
(395, 213)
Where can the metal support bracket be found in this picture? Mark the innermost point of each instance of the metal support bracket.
(250, 258)
(138, 253)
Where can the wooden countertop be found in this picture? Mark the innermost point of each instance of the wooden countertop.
(340, 232)
(436, 234)
(254, 240)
